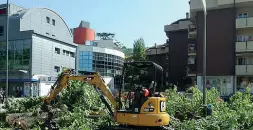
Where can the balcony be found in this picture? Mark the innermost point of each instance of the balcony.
(179, 25)
(192, 31)
(191, 50)
(244, 69)
(244, 22)
(231, 2)
(244, 46)
(157, 50)
(196, 5)
(191, 70)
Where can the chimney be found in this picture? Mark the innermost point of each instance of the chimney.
(187, 15)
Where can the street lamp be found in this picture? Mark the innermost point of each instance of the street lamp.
(7, 53)
(204, 55)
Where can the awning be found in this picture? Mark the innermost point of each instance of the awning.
(20, 80)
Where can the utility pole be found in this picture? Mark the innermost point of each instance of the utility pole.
(204, 57)
(7, 52)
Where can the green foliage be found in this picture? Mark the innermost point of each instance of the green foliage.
(81, 99)
(139, 50)
(29, 104)
(187, 113)
(80, 93)
(127, 51)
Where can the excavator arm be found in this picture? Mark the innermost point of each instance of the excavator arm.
(92, 79)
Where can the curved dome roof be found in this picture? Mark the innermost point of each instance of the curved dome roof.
(23, 13)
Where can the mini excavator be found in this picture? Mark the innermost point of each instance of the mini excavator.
(145, 110)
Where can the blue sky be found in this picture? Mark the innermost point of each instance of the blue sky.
(128, 19)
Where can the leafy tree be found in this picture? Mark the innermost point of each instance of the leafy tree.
(127, 51)
(139, 50)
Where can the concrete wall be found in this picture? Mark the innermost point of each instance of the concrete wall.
(106, 44)
(44, 57)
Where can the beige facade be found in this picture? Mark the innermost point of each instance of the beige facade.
(161, 49)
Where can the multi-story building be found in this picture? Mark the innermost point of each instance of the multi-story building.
(160, 55)
(103, 56)
(229, 42)
(182, 51)
(40, 43)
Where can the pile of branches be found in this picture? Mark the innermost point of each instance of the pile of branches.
(71, 109)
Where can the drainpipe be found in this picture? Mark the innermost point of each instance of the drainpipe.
(234, 52)
(7, 53)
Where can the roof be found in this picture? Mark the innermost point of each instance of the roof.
(141, 64)
(158, 46)
(180, 20)
(24, 12)
(84, 24)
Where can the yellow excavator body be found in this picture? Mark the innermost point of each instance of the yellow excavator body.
(153, 113)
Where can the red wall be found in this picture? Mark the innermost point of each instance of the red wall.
(83, 34)
(220, 42)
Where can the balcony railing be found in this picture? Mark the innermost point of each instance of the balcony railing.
(230, 2)
(191, 70)
(244, 70)
(181, 25)
(244, 22)
(246, 46)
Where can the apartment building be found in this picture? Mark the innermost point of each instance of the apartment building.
(160, 55)
(182, 51)
(229, 43)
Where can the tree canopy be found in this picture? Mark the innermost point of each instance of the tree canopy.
(139, 50)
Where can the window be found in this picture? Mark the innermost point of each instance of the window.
(64, 52)
(53, 21)
(67, 52)
(242, 15)
(1, 30)
(57, 50)
(242, 38)
(167, 74)
(72, 54)
(48, 20)
(56, 68)
(250, 61)
(241, 61)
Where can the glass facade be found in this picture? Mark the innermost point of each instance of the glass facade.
(105, 64)
(19, 60)
(85, 62)
(19, 55)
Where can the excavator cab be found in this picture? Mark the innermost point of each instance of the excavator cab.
(144, 105)
(141, 79)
